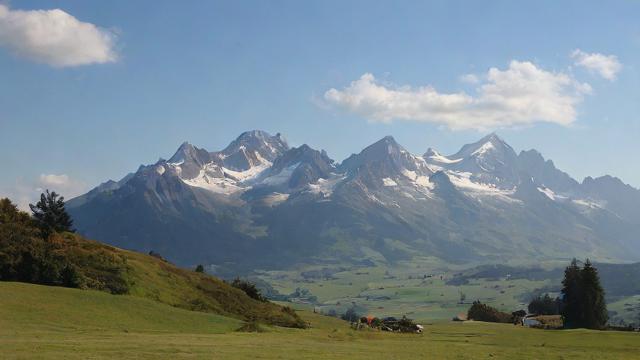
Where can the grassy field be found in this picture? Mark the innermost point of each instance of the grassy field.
(48, 322)
(417, 289)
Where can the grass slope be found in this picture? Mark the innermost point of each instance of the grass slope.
(101, 267)
(155, 279)
(28, 307)
(52, 322)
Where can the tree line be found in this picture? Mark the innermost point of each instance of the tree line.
(581, 304)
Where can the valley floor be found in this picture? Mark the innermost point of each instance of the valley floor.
(46, 322)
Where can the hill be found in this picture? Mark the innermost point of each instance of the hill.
(260, 204)
(156, 279)
(67, 259)
(128, 327)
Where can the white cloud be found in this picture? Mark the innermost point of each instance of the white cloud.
(62, 184)
(54, 37)
(521, 95)
(26, 191)
(606, 66)
(470, 78)
(54, 180)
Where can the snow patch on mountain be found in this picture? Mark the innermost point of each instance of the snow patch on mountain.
(389, 182)
(275, 199)
(282, 177)
(249, 174)
(462, 180)
(177, 163)
(214, 184)
(486, 147)
(325, 186)
(552, 194)
(439, 158)
(587, 203)
(548, 192)
(418, 180)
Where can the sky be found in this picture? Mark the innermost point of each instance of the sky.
(89, 90)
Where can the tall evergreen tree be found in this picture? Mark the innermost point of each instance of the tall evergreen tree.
(50, 215)
(572, 312)
(594, 306)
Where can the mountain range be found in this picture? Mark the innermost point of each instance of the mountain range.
(260, 203)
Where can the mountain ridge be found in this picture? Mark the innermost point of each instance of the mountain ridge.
(259, 198)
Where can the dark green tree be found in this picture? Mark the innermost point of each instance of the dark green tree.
(593, 304)
(50, 215)
(544, 305)
(572, 312)
(200, 268)
(70, 277)
(583, 303)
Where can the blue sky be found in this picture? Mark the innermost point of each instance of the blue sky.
(134, 79)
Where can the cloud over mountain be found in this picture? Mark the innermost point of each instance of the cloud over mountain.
(522, 94)
(55, 37)
(25, 191)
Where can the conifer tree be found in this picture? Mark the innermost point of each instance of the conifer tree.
(583, 297)
(50, 215)
(594, 306)
(572, 312)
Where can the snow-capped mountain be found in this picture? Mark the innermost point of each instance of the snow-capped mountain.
(259, 202)
(488, 161)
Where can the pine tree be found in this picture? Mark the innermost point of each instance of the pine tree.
(572, 312)
(50, 215)
(594, 306)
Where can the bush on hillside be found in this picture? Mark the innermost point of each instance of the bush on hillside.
(249, 288)
(483, 312)
(157, 255)
(59, 260)
(350, 315)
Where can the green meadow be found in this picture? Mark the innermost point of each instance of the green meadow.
(420, 289)
(44, 322)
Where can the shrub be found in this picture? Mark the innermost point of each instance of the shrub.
(249, 288)
(483, 312)
(350, 315)
(519, 314)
